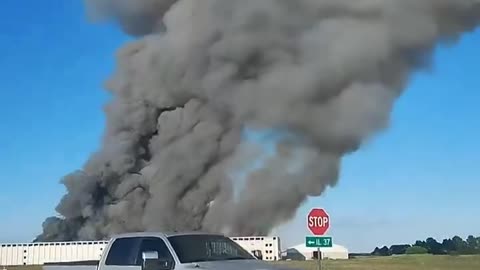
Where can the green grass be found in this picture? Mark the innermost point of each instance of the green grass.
(420, 262)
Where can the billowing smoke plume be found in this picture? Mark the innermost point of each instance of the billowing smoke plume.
(203, 71)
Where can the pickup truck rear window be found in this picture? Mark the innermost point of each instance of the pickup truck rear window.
(204, 248)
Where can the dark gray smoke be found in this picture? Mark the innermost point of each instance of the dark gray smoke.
(202, 71)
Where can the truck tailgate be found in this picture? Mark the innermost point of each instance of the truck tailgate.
(82, 265)
(69, 267)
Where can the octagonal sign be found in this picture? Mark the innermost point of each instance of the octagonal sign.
(318, 221)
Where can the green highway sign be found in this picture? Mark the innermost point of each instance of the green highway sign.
(318, 242)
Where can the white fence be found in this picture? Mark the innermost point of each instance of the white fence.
(55, 252)
(40, 253)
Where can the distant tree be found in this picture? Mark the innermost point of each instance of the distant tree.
(421, 244)
(384, 251)
(477, 251)
(472, 244)
(460, 246)
(399, 249)
(478, 245)
(434, 247)
(448, 246)
(416, 250)
(454, 246)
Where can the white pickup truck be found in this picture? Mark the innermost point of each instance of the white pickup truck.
(159, 251)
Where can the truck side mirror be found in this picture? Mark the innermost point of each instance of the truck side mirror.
(151, 261)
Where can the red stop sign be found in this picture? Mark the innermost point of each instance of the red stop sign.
(318, 221)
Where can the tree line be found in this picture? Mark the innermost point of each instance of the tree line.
(453, 246)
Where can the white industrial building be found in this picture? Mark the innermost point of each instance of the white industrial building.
(268, 246)
(301, 252)
(15, 254)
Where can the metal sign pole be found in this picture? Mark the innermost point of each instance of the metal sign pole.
(318, 222)
(319, 259)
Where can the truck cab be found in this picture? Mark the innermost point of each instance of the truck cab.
(178, 251)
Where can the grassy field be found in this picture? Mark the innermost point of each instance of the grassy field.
(423, 262)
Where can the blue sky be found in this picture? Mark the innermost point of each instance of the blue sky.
(416, 180)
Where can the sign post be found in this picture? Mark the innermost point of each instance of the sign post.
(319, 259)
(318, 222)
